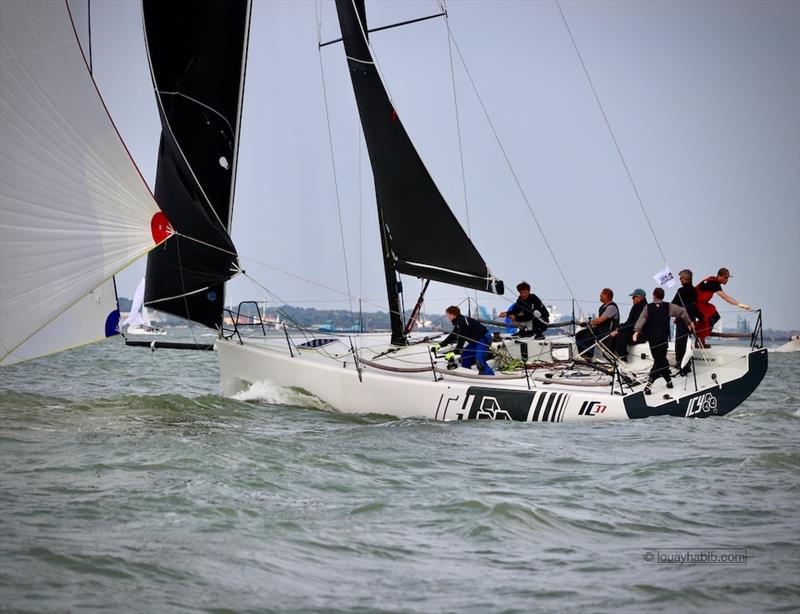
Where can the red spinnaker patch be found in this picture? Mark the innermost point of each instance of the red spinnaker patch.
(160, 227)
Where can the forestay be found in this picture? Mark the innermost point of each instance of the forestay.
(75, 209)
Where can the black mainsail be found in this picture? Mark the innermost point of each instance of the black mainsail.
(437, 249)
(197, 54)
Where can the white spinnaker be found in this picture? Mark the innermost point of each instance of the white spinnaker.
(74, 209)
(91, 319)
(136, 316)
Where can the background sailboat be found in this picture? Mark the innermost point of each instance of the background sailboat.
(138, 319)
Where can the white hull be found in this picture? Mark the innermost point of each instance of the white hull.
(330, 374)
(145, 331)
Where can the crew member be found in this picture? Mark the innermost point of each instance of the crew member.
(654, 322)
(606, 321)
(474, 334)
(623, 336)
(529, 313)
(706, 290)
(685, 297)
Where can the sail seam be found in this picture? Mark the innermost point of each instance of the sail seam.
(177, 296)
(360, 61)
(196, 101)
(438, 268)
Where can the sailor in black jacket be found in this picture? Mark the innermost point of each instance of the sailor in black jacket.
(623, 336)
(654, 321)
(685, 297)
(529, 312)
(474, 334)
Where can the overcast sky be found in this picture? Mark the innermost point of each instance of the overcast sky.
(704, 99)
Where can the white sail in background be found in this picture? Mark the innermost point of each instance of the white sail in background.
(146, 318)
(74, 209)
(136, 315)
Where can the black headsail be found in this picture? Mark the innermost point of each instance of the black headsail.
(197, 52)
(419, 233)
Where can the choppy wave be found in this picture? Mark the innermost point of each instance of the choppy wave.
(139, 488)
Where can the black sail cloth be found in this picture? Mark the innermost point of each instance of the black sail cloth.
(422, 234)
(196, 52)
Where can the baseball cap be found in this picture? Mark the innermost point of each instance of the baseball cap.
(638, 292)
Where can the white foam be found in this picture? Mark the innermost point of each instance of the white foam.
(270, 392)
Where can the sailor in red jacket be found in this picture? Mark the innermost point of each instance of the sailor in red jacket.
(706, 290)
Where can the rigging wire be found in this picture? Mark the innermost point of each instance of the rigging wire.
(508, 163)
(611, 132)
(360, 224)
(333, 160)
(514, 174)
(304, 331)
(443, 7)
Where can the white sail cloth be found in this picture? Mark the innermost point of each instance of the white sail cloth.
(136, 316)
(74, 209)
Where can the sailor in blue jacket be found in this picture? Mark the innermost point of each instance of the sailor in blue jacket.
(474, 334)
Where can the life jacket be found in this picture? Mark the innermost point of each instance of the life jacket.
(657, 325)
(705, 308)
(608, 325)
(703, 296)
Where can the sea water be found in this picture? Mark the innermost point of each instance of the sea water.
(128, 484)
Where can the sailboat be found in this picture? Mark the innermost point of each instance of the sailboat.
(69, 186)
(138, 320)
(74, 209)
(401, 375)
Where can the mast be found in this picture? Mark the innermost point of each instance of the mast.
(392, 287)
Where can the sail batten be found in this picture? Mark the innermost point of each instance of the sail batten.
(74, 207)
(197, 54)
(422, 233)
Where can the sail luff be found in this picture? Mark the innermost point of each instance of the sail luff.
(237, 142)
